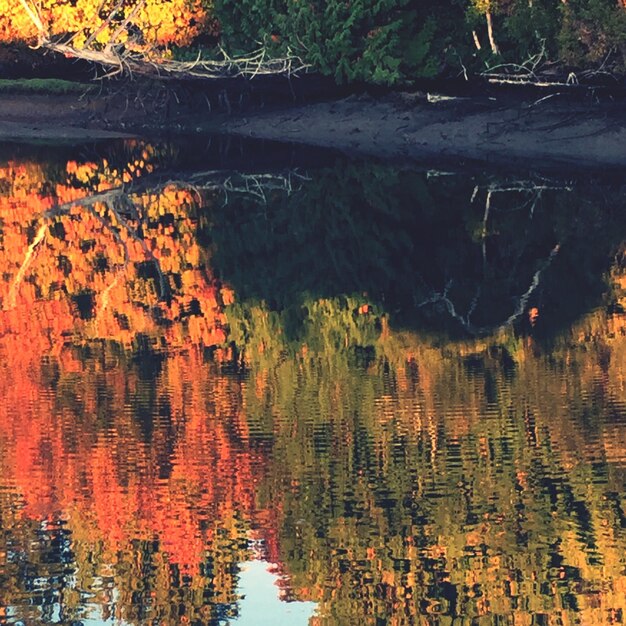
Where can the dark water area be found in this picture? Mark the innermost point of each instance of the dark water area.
(245, 386)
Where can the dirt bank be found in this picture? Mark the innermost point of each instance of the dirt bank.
(28, 117)
(421, 127)
(406, 126)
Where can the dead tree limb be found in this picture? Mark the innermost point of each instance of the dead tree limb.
(147, 62)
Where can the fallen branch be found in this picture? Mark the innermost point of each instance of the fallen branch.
(526, 80)
(147, 62)
(136, 63)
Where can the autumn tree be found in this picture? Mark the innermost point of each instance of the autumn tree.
(142, 23)
(133, 36)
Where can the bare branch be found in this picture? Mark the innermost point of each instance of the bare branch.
(484, 233)
(104, 24)
(133, 62)
(35, 18)
(104, 301)
(39, 237)
(125, 22)
(523, 300)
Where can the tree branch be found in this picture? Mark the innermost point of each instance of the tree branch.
(39, 237)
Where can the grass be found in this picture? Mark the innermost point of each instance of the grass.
(52, 86)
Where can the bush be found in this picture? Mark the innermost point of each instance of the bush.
(592, 30)
(380, 41)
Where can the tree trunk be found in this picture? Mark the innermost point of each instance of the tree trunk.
(476, 40)
(492, 41)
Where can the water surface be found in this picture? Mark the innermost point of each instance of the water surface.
(319, 392)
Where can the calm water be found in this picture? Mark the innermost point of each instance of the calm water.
(308, 392)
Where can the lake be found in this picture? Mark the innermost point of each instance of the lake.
(252, 384)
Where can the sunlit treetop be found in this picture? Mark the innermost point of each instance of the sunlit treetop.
(143, 24)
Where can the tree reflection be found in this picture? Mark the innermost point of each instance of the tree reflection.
(181, 396)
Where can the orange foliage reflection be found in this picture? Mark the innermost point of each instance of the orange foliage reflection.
(78, 271)
(425, 481)
(97, 270)
(75, 457)
(117, 484)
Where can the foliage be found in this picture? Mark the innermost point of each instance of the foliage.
(127, 274)
(359, 41)
(592, 30)
(523, 29)
(130, 22)
(386, 42)
(389, 475)
(532, 28)
(398, 41)
(487, 485)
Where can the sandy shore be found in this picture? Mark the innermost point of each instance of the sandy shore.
(52, 118)
(403, 126)
(418, 128)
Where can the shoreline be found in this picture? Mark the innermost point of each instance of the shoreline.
(452, 130)
(408, 127)
(53, 117)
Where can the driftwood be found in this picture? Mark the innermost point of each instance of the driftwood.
(125, 62)
(536, 71)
